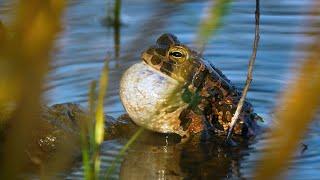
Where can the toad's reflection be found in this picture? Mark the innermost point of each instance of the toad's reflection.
(157, 156)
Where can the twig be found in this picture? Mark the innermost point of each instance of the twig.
(250, 69)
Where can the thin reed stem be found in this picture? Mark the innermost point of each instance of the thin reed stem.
(250, 71)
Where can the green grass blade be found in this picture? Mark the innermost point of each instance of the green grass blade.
(99, 127)
(85, 153)
(99, 123)
(87, 133)
(92, 107)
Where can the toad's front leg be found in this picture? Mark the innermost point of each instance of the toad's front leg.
(190, 123)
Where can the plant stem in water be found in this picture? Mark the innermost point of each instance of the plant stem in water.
(250, 71)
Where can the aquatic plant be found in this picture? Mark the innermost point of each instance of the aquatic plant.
(87, 135)
(92, 131)
(99, 117)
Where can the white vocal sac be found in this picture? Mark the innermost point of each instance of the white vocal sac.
(152, 99)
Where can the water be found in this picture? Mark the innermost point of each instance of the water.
(86, 42)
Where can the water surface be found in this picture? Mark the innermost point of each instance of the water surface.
(86, 42)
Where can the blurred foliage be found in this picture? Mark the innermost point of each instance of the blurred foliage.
(212, 22)
(24, 60)
(298, 108)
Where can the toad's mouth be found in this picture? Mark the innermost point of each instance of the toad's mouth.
(163, 70)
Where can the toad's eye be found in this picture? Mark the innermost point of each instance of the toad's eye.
(176, 54)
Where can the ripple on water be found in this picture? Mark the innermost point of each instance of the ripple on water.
(110, 149)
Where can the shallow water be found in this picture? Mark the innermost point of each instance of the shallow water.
(86, 42)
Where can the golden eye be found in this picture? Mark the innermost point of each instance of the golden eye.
(178, 54)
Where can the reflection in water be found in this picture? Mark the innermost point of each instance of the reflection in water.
(210, 159)
(159, 156)
(116, 29)
(152, 160)
(113, 20)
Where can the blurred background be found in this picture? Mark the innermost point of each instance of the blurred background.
(87, 39)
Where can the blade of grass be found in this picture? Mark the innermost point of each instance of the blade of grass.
(122, 152)
(209, 25)
(87, 136)
(99, 118)
(250, 71)
(85, 154)
(92, 107)
(99, 124)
